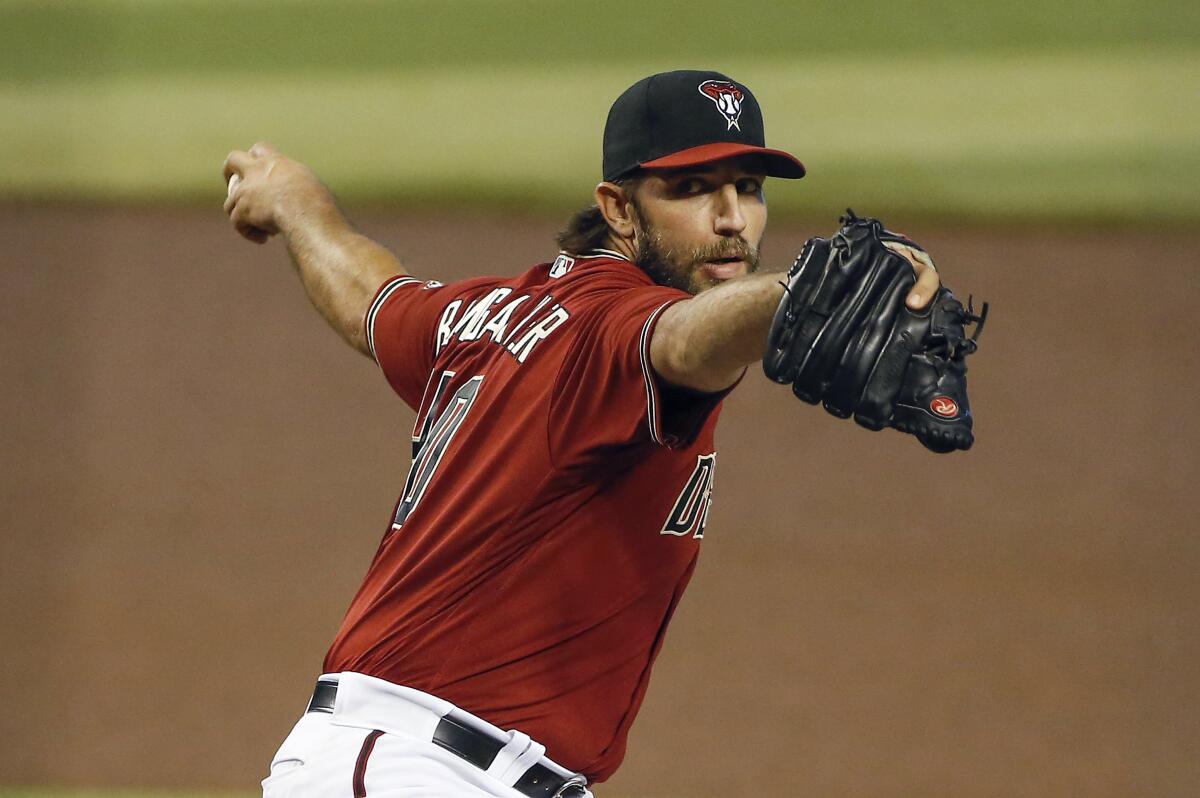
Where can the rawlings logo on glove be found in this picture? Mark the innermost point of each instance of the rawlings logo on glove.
(842, 336)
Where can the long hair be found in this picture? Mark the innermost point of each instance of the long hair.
(587, 229)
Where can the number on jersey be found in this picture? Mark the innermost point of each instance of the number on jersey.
(433, 436)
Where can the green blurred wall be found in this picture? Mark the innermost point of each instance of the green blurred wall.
(1075, 110)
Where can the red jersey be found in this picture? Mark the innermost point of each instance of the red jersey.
(554, 508)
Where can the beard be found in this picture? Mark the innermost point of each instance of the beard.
(683, 268)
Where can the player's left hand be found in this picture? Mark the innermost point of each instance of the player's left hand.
(928, 281)
(842, 337)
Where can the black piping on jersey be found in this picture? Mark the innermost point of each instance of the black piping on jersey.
(602, 253)
(651, 393)
(384, 293)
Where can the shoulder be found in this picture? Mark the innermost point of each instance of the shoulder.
(595, 269)
(605, 280)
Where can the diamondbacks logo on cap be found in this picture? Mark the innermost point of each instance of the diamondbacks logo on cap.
(727, 97)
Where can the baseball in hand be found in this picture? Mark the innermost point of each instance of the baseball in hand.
(233, 184)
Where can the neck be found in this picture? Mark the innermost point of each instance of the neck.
(622, 245)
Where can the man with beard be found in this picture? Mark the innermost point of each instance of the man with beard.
(563, 458)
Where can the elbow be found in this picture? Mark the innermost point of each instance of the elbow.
(352, 328)
(358, 340)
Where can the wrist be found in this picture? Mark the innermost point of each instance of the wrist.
(309, 210)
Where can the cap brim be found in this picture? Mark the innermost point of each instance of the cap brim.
(777, 162)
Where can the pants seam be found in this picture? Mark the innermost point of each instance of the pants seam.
(360, 766)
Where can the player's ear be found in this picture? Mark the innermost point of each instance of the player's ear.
(614, 205)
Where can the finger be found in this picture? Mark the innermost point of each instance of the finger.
(231, 189)
(927, 282)
(917, 257)
(233, 197)
(922, 257)
(231, 205)
(236, 163)
(262, 148)
(251, 233)
(926, 288)
(239, 215)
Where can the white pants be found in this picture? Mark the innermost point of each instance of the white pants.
(378, 742)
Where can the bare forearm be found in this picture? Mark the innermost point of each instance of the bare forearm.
(272, 194)
(339, 268)
(705, 342)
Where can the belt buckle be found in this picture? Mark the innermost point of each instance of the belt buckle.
(575, 782)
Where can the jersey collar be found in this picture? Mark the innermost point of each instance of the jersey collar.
(603, 253)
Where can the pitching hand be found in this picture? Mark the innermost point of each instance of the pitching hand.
(266, 188)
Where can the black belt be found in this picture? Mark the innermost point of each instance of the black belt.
(459, 734)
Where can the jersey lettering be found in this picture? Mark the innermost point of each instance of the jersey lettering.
(490, 316)
(445, 329)
(432, 440)
(538, 333)
(536, 309)
(499, 322)
(690, 513)
(471, 324)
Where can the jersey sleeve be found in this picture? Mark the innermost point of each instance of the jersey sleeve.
(607, 393)
(401, 327)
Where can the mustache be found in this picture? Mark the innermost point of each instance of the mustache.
(738, 248)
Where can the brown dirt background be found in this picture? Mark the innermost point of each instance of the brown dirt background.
(195, 473)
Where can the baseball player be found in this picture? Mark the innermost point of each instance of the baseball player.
(562, 462)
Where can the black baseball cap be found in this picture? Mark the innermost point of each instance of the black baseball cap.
(687, 118)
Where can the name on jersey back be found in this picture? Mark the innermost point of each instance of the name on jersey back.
(494, 317)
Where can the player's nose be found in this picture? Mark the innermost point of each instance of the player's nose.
(728, 220)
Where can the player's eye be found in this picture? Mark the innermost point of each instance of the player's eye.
(749, 185)
(692, 185)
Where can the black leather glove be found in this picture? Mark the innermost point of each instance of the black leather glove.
(842, 336)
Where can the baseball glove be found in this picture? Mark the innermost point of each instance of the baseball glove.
(843, 337)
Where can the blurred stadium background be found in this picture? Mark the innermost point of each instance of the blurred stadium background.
(194, 470)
